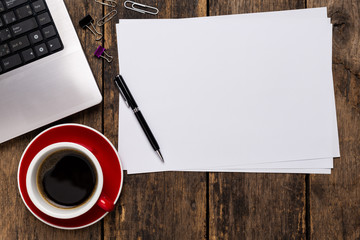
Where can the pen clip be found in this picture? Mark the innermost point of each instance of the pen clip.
(121, 92)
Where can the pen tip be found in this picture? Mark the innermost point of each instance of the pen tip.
(160, 156)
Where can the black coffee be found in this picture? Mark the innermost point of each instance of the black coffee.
(67, 178)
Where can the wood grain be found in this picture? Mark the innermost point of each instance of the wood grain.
(256, 206)
(225, 7)
(160, 205)
(335, 198)
(16, 221)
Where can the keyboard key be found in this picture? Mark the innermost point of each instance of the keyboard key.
(4, 50)
(11, 61)
(2, 8)
(54, 44)
(49, 31)
(28, 55)
(38, 6)
(24, 26)
(24, 12)
(44, 18)
(19, 43)
(41, 50)
(9, 17)
(5, 34)
(35, 37)
(13, 3)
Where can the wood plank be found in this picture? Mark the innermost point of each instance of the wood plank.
(16, 221)
(334, 199)
(256, 206)
(224, 7)
(160, 205)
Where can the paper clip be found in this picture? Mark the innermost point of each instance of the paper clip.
(99, 54)
(109, 3)
(86, 22)
(106, 18)
(133, 6)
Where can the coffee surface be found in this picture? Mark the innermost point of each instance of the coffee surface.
(67, 178)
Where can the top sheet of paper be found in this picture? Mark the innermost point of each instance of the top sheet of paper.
(228, 92)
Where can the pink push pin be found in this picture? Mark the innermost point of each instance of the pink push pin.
(99, 54)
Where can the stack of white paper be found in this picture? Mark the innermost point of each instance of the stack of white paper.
(237, 93)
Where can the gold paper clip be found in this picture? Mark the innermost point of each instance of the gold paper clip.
(109, 3)
(106, 18)
(133, 6)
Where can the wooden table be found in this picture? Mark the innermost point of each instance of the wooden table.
(182, 205)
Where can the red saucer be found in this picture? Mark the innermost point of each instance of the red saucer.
(103, 150)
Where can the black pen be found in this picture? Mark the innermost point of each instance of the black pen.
(130, 102)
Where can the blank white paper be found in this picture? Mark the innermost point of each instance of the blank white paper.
(211, 109)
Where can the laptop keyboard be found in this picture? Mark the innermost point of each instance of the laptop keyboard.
(27, 33)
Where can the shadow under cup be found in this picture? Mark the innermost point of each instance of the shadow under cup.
(64, 180)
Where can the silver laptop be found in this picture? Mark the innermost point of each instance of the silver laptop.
(44, 74)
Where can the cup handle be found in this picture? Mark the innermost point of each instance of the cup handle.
(105, 203)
